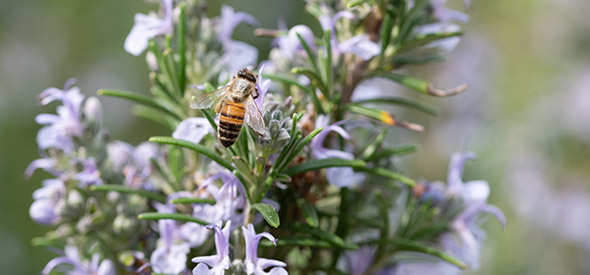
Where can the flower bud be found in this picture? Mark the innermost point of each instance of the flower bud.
(93, 110)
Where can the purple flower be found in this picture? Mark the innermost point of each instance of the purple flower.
(170, 256)
(329, 24)
(134, 163)
(262, 85)
(471, 192)
(90, 175)
(361, 46)
(358, 261)
(193, 129)
(255, 265)
(339, 176)
(446, 15)
(446, 45)
(289, 44)
(78, 266)
(147, 27)
(44, 208)
(61, 128)
(465, 240)
(215, 264)
(228, 199)
(47, 164)
(237, 54)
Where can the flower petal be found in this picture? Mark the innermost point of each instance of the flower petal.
(193, 129)
(361, 46)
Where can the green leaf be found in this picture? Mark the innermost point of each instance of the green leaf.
(181, 35)
(407, 245)
(321, 234)
(193, 200)
(417, 84)
(244, 169)
(193, 146)
(382, 116)
(316, 164)
(300, 146)
(297, 241)
(387, 173)
(170, 216)
(308, 51)
(424, 39)
(328, 64)
(402, 102)
(283, 178)
(386, 28)
(269, 214)
(124, 189)
(309, 212)
(313, 77)
(387, 152)
(354, 3)
(139, 99)
(286, 80)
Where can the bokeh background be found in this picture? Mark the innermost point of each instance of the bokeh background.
(526, 114)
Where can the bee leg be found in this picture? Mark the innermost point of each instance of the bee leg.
(255, 96)
(218, 107)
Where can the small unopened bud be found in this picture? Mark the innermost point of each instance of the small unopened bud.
(122, 224)
(75, 199)
(93, 110)
(151, 61)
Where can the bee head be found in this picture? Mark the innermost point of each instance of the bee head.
(247, 74)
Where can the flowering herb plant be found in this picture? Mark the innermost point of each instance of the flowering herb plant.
(321, 183)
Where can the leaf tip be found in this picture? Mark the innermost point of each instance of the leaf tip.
(437, 92)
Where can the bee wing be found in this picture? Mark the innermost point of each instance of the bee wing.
(207, 100)
(254, 117)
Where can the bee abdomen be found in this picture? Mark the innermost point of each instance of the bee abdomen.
(229, 129)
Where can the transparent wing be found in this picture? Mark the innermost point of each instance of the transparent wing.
(254, 117)
(207, 100)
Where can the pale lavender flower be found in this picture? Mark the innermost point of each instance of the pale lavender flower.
(289, 44)
(255, 265)
(147, 27)
(358, 261)
(446, 45)
(237, 54)
(90, 175)
(228, 199)
(60, 128)
(446, 15)
(193, 129)
(77, 266)
(329, 23)
(215, 264)
(44, 208)
(170, 255)
(262, 85)
(339, 176)
(465, 239)
(47, 164)
(134, 163)
(361, 46)
(476, 191)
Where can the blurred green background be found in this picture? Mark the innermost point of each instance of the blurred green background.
(526, 114)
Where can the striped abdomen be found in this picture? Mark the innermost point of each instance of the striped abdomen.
(231, 118)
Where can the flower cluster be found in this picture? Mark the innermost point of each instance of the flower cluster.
(321, 176)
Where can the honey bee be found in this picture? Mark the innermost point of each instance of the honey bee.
(234, 103)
